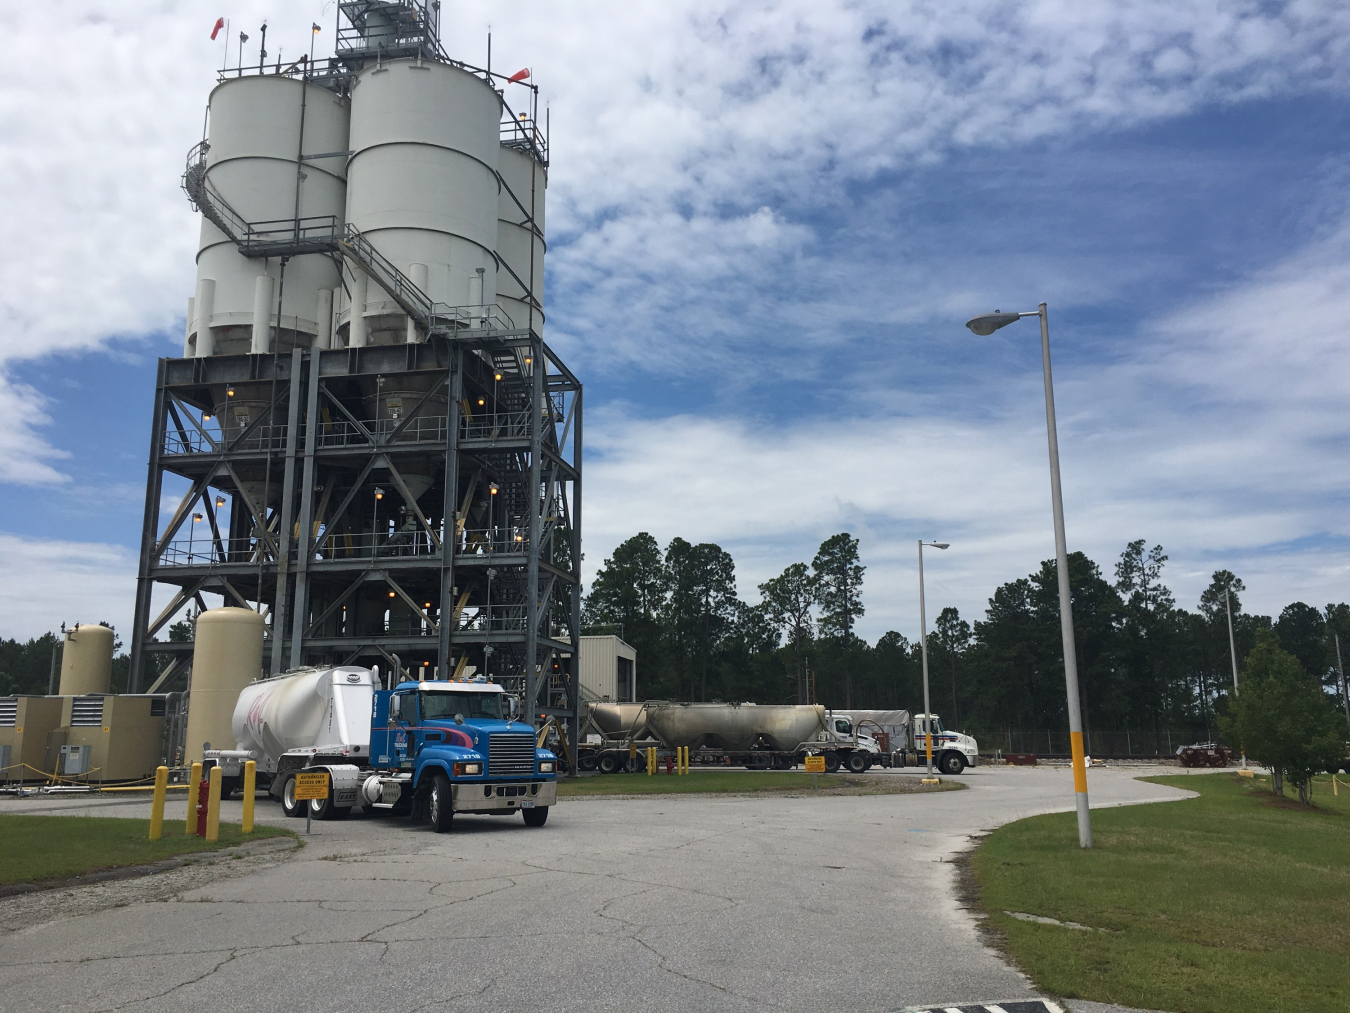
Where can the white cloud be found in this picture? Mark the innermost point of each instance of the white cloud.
(49, 581)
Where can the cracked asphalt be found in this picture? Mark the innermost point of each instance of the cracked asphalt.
(674, 903)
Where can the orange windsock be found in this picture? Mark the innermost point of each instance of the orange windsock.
(520, 75)
(220, 23)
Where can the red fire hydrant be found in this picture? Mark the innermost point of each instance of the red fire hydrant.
(670, 764)
(203, 793)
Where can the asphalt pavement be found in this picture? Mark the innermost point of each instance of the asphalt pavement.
(652, 904)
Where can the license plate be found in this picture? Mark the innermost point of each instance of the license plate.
(527, 804)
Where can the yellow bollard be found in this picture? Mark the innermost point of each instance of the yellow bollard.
(157, 806)
(213, 807)
(250, 789)
(194, 779)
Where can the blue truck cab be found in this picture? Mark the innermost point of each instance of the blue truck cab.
(440, 748)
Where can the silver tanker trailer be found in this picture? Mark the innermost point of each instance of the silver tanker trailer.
(758, 736)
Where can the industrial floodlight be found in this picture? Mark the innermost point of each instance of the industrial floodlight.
(529, 359)
(496, 376)
(379, 493)
(206, 417)
(391, 594)
(229, 392)
(493, 488)
(482, 401)
(196, 518)
(987, 323)
(220, 502)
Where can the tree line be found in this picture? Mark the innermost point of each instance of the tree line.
(1153, 675)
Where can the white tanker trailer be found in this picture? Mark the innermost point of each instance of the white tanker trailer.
(320, 711)
(758, 736)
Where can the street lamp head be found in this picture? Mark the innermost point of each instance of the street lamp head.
(987, 323)
(940, 545)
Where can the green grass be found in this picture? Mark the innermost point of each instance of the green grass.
(41, 848)
(698, 782)
(1233, 902)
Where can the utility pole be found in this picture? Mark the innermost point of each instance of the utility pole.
(1232, 654)
(1345, 697)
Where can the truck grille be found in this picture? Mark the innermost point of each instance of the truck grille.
(510, 755)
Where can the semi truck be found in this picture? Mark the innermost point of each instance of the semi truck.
(760, 736)
(428, 750)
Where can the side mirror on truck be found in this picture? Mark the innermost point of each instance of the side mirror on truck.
(512, 707)
(394, 707)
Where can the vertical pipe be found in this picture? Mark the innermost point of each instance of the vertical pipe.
(262, 315)
(205, 310)
(532, 610)
(213, 806)
(323, 315)
(285, 523)
(923, 651)
(303, 552)
(417, 274)
(157, 804)
(449, 506)
(194, 779)
(1065, 601)
(357, 334)
(574, 731)
(188, 343)
(250, 789)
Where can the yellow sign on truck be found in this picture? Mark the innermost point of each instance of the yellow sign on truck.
(311, 786)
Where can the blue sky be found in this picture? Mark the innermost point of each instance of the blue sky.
(767, 225)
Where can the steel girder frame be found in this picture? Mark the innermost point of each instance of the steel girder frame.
(484, 568)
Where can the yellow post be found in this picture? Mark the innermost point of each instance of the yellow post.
(213, 807)
(250, 789)
(157, 806)
(190, 827)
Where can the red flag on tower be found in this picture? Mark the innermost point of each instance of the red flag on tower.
(520, 75)
(220, 23)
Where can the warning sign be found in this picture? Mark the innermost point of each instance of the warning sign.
(815, 764)
(308, 786)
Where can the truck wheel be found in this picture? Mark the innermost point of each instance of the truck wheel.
(442, 811)
(856, 763)
(952, 762)
(289, 805)
(229, 785)
(586, 761)
(535, 817)
(607, 764)
(831, 763)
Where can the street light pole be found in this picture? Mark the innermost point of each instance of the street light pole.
(1232, 654)
(984, 325)
(1345, 697)
(923, 652)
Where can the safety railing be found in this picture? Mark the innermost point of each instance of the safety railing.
(492, 541)
(203, 550)
(344, 433)
(493, 618)
(496, 426)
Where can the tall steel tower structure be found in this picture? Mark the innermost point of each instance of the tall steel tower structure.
(367, 439)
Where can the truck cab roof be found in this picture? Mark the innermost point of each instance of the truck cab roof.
(437, 686)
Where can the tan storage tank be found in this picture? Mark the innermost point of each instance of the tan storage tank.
(227, 656)
(86, 660)
(25, 722)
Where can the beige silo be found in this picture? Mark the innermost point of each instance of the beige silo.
(226, 657)
(86, 660)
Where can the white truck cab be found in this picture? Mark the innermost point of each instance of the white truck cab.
(953, 752)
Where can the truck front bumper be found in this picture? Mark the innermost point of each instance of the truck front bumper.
(502, 796)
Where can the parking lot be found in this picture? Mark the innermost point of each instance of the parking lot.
(663, 903)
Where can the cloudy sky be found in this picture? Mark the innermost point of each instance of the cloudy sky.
(768, 223)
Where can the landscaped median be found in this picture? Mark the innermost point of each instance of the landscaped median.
(746, 782)
(39, 849)
(1233, 902)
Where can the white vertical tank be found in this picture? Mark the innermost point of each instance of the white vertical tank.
(422, 186)
(226, 657)
(252, 163)
(520, 247)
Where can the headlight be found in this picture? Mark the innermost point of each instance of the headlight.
(546, 766)
(468, 769)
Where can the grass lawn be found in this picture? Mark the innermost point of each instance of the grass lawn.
(39, 848)
(1233, 902)
(744, 782)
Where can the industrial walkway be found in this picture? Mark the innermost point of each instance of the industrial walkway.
(662, 904)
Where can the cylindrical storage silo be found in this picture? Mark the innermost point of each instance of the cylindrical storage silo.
(86, 660)
(254, 165)
(422, 186)
(226, 657)
(520, 246)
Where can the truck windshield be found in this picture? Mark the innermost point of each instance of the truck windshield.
(471, 705)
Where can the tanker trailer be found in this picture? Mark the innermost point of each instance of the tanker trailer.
(324, 712)
(757, 736)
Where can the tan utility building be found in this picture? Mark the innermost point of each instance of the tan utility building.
(107, 738)
(608, 670)
(25, 723)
